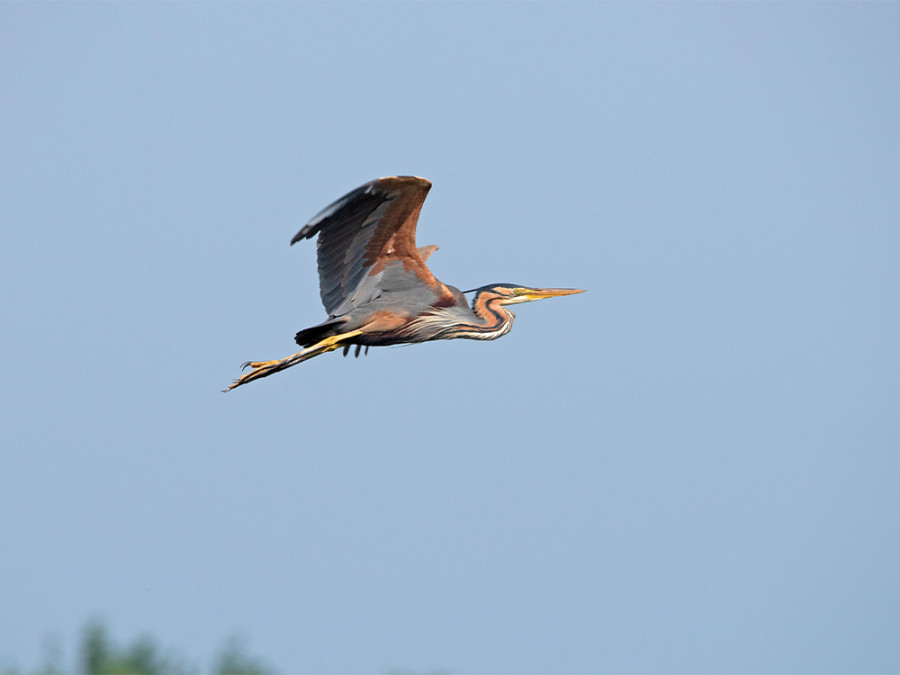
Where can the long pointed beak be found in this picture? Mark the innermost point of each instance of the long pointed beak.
(541, 293)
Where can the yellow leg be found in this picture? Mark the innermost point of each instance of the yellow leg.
(261, 369)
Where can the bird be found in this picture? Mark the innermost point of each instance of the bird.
(376, 287)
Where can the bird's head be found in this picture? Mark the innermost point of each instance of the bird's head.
(513, 294)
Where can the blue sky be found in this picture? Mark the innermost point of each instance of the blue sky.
(692, 467)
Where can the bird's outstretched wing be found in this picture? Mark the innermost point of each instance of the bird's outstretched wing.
(364, 231)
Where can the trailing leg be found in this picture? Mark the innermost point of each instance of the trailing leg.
(260, 369)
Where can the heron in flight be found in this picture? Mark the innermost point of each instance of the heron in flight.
(376, 287)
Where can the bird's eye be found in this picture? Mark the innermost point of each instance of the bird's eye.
(518, 291)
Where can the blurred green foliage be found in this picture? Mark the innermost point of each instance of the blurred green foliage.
(233, 660)
(99, 655)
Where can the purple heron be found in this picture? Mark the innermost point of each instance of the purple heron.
(376, 287)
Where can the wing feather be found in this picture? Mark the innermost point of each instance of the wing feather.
(363, 231)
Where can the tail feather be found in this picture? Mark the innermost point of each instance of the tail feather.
(310, 336)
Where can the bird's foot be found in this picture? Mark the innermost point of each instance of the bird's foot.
(257, 364)
(258, 369)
